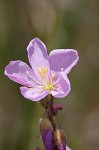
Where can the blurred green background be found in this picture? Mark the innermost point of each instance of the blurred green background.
(59, 24)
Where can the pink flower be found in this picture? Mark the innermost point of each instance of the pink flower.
(47, 75)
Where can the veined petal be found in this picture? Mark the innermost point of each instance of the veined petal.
(37, 55)
(61, 86)
(20, 72)
(62, 60)
(48, 140)
(33, 94)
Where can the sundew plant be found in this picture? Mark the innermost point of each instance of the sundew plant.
(44, 79)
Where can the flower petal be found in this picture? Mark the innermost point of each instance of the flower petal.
(61, 86)
(67, 148)
(48, 140)
(37, 55)
(46, 133)
(63, 60)
(33, 94)
(20, 72)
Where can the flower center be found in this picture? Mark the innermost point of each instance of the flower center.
(47, 82)
(48, 86)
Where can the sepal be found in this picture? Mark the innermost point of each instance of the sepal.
(59, 140)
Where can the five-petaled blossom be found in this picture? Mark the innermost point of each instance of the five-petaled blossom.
(47, 75)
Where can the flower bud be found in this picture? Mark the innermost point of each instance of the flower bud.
(46, 133)
(59, 140)
(56, 108)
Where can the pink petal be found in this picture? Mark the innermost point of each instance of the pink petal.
(20, 72)
(67, 148)
(62, 86)
(33, 94)
(37, 55)
(62, 60)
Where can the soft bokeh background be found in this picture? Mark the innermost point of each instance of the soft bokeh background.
(59, 24)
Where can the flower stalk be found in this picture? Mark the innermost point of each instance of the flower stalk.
(56, 139)
(50, 113)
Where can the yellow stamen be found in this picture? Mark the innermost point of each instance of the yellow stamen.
(49, 87)
(45, 70)
(41, 72)
(53, 75)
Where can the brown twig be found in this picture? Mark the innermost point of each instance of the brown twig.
(50, 114)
